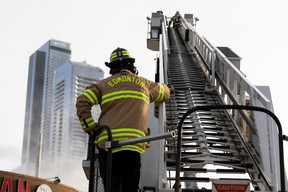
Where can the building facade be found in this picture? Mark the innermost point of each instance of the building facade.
(68, 142)
(54, 143)
(42, 64)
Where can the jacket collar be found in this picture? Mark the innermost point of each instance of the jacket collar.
(125, 72)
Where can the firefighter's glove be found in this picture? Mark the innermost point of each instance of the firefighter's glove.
(91, 129)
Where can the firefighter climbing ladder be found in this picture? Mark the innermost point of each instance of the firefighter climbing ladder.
(217, 144)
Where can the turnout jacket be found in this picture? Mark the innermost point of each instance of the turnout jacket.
(124, 100)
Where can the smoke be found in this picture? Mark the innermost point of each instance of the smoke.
(70, 173)
(10, 157)
(75, 179)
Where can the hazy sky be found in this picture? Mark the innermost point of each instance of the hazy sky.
(255, 29)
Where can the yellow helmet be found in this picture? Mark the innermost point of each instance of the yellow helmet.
(119, 58)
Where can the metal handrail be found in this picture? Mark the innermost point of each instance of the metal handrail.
(92, 156)
(209, 107)
(109, 145)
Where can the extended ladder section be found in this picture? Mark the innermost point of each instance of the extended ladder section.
(217, 144)
(209, 137)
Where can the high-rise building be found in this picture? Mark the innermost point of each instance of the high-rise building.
(54, 143)
(42, 65)
(68, 142)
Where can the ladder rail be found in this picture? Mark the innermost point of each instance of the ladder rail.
(218, 68)
(177, 49)
(199, 75)
(280, 144)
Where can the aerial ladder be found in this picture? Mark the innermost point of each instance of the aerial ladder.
(228, 138)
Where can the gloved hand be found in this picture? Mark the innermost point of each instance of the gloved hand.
(91, 129)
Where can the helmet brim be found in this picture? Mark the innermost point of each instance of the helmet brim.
(124, 61)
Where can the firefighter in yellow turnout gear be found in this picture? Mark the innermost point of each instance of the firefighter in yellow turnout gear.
(175, 20)
(124, 98)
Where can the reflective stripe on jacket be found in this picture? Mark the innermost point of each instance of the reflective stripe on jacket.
(124, 100)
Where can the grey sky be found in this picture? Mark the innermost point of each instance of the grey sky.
(255, 29)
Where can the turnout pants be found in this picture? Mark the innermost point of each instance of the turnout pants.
(125, 174)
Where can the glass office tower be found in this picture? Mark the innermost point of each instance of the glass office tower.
(54, 143)
(67, 141)
(42, 65)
